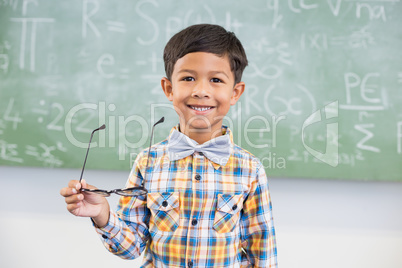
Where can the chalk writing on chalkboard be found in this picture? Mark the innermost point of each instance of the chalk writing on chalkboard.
(322, 95)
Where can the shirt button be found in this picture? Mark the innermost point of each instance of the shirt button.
(234, 207)
(104, 236)
(164, 203)
(190, 263)
(198, 177)
(194, 222)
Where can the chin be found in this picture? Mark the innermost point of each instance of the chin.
(200, 127)
(200, 122)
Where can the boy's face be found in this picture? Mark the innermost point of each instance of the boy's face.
(202, 89)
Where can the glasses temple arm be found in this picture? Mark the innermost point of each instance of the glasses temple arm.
(149, 148)
(89, 145)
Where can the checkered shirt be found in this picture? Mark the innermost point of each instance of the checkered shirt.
(196, 213)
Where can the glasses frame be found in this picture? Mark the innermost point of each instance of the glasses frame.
(106, 193)
(141, 189)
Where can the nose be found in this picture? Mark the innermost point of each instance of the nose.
(201, 90)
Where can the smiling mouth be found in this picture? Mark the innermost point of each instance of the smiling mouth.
(200, 109)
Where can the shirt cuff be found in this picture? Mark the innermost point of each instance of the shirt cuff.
(111, 229)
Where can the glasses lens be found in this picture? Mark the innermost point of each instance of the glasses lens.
(134, 191)
(97, 191)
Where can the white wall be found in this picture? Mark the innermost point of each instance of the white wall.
(319, 223)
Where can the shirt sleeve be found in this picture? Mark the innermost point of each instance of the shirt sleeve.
(126, 233)
(257, 226)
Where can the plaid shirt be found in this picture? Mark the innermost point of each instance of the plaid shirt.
(196, 213)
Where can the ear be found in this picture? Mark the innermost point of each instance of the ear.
(167, 88)
(237, 92)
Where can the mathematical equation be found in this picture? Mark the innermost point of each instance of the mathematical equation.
(322, 84)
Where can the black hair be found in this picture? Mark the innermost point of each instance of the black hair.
(206, 38)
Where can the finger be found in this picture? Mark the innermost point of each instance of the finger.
(73, 183)
(74, 199)
(72, 208)
(68, 191)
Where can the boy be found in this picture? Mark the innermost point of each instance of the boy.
(208, 203)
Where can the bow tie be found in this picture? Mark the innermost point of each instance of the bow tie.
(217, 150)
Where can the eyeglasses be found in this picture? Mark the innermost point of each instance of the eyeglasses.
(132, 191)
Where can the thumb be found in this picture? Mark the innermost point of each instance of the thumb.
(84, 183)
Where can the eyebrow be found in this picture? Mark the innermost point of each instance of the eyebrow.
(194, 72)
(186, 71)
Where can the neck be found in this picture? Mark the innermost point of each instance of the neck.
(201, 135)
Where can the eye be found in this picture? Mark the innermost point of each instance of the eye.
(188, 79)
(216, 80)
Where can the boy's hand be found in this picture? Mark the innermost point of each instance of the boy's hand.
(86, 204)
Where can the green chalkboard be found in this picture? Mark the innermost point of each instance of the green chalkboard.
(323, 87)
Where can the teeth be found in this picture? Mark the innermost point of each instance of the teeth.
(201, 109)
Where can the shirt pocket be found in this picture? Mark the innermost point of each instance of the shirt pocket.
(165, 210)
(227, 212)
